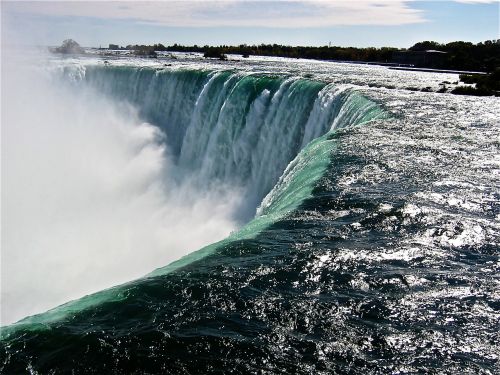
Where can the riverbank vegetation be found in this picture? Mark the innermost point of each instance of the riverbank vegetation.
(485, 85)
(483, 57)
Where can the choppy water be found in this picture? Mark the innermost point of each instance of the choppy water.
(375, 251)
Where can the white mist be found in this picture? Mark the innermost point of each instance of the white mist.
(88, 196)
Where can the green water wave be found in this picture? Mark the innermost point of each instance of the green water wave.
(294, 186)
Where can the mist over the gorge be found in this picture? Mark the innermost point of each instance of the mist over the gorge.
(89, 194)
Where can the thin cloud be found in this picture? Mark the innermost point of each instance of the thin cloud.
(243, 13)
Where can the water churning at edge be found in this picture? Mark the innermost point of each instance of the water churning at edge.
(234, 128)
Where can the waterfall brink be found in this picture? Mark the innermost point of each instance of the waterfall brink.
(236, 145)
(232, 128)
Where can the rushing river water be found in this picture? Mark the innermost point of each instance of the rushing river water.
(364, 218)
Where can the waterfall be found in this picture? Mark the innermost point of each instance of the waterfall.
(234, 128)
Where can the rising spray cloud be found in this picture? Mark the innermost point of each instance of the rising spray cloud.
(89, 198)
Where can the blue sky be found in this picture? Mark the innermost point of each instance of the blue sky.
(361, 23)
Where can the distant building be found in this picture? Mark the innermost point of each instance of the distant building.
(114, 46)
(422, 59)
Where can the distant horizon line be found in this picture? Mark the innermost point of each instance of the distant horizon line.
(271, 44)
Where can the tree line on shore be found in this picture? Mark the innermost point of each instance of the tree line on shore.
(483, 56)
